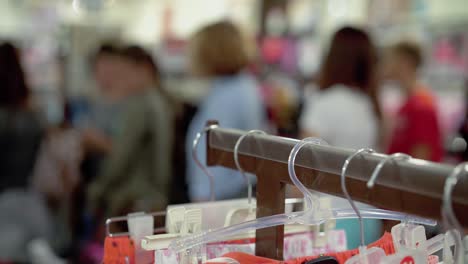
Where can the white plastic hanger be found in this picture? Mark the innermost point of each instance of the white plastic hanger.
(312, 214)
(118, 219)
(408, 239)
(455, 229)
(180, 223)
(366, 255)
(140, 225)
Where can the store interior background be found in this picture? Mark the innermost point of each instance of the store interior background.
(58, 37)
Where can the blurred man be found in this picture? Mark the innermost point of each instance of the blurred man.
(136, 174)
(102, 120)
(417, 131)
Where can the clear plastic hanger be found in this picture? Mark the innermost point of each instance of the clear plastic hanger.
(231, 214)
(245, 213)
(455, 229)
(408, 238)
(393, 157)
(366, 255)
(236, 160)
(240, 212)
(312, 214)
(405, 235)
(198, 162)
(411, 239)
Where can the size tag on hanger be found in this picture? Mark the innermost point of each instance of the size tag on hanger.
(413, 257)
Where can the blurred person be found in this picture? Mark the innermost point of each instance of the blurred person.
(97, 120)
(136, 173)
(417, 131)
(101, 124)
(345, 111)
(25, 221)
(21, 129)
(105, 66)
(218, 53)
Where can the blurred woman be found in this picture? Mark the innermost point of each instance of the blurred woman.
(345, 112)
(136, 174)
(24, 216)
(20, 127)
(218, 53)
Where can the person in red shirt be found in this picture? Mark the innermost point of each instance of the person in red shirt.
(417, 131)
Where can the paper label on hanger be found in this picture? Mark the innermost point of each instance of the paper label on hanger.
(165, 256)
(295, 245)
(299, 245)
(218, 250)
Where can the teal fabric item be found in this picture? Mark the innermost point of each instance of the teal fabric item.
(372, 231)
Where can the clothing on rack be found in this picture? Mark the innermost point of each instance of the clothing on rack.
(119, 250)
(386, 243)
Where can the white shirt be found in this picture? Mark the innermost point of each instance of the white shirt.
(342, 116)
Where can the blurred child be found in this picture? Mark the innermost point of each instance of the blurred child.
(417, 131)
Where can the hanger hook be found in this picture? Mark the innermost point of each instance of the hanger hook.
(308, 196)
(345, 190)
(198, 162)
(378, 168)
(236, 160)
(448, 215)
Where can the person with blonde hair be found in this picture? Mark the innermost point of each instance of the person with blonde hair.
(219, 54)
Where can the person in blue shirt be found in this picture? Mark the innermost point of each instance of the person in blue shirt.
(218, 53)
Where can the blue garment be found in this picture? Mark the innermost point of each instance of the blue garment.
(373, 230)
(236, 103)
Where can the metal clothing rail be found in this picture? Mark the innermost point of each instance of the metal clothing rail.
(414, 186)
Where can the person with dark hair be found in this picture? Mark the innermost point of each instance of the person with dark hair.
(100, 123)
(105, 63)
(136, 174)
(417, 131)
(24, 214)
(218, 53)
(345, 112)
(21, 130)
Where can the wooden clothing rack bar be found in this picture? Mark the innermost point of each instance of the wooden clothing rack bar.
(414, 186)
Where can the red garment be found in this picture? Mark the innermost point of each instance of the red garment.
(118, 249)
(385, 243)
(417, 124)
(245, 258)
